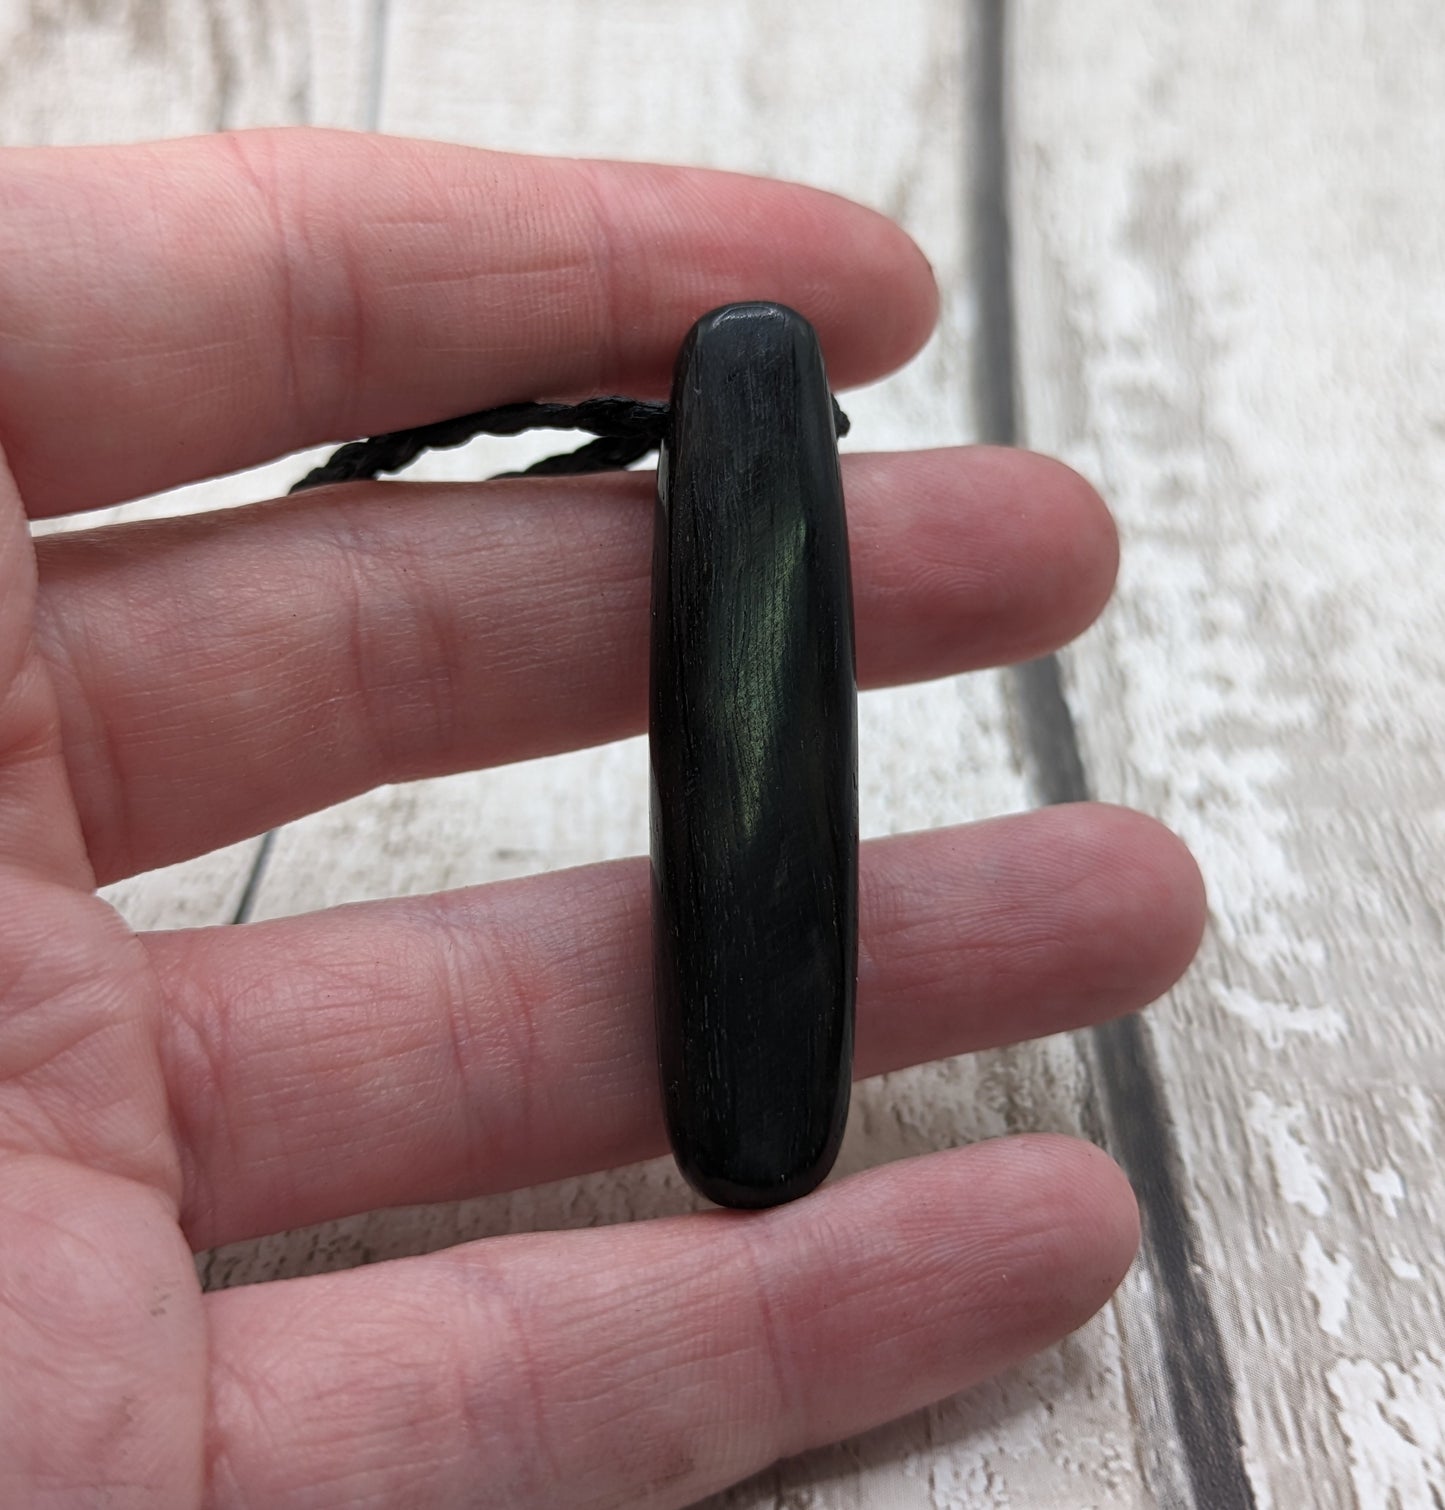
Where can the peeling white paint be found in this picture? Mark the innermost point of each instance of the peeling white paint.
(1387, 1184)
(1298, 1175)
(1393, 1418)
(1242, 348)
(1275, 1021)
(1328, 1279)
(1419, 1119)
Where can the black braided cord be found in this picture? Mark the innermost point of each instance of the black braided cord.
(626, 430)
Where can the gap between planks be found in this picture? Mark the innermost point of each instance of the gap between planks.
(1183, 1389)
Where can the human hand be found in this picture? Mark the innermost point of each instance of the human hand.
(177, 311)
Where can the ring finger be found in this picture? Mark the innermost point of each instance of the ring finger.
(487, 1039)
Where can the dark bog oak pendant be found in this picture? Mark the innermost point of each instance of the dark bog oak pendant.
(754, 763)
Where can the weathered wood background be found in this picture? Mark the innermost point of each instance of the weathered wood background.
(1199, 251)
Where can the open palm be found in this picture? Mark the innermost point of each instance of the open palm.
(172, 312)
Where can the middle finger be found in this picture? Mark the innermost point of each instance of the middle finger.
(487, 1039)
(219, 675)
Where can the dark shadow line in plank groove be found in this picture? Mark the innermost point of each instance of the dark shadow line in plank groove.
(992, 372)
(1131, 1108)
(246, 905)
(376, 78)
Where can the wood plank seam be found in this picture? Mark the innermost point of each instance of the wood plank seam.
(1130, 1114)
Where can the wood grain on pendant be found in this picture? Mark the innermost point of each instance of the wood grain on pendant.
(754, 763)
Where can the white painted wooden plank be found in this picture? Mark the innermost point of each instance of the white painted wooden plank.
(1229, 229)
(75, 71)
(111, 73)
(873, 108)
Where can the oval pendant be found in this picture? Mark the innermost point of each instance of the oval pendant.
(753, 736)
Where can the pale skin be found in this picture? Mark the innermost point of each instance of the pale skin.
(176, 311)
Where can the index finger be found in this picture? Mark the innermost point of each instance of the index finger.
(181, 309)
